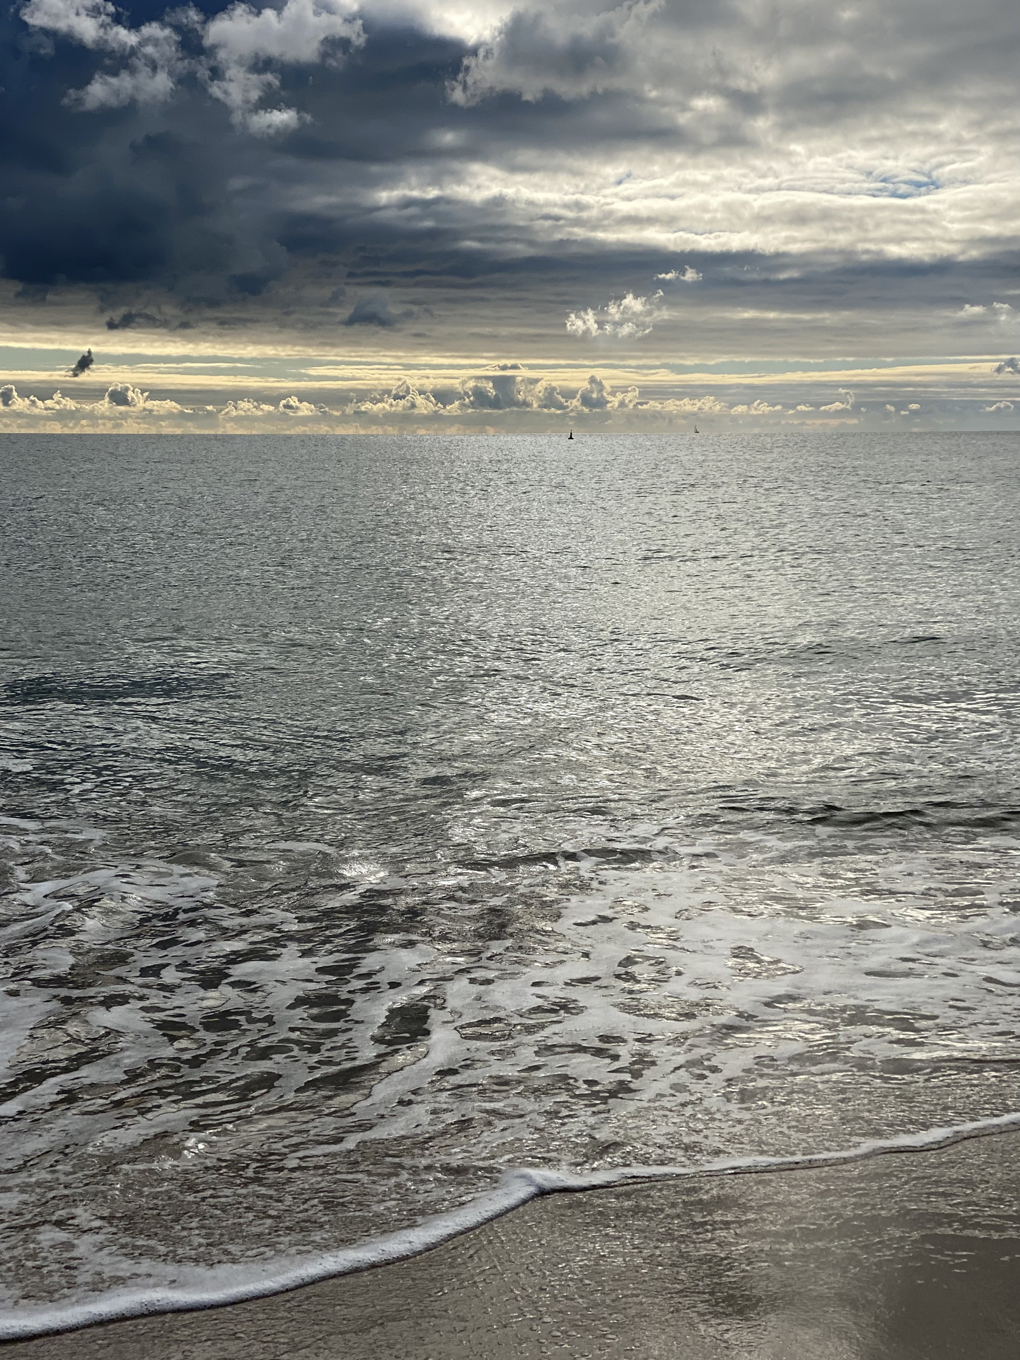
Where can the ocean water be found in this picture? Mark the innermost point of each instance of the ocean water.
(380, 817)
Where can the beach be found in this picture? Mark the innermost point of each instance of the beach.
(910, 1256)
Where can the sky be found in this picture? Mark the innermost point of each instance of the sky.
(487, 216)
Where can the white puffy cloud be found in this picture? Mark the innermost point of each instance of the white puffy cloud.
(123, 394)
(597, 395)
(241, 39)
(504, 391)
(245, 407)
(142, 81)
(126, 397)
(152, 52)
(1000, 312)
(508, 396)
(757, 408)
(296, 33)
(92, 23)
(625, 318)
(686, 275)
(119, 399)
(10, 401)
(238, 44)
(497, 391)
(403, 397)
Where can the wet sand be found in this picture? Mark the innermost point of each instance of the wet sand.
(902, 1257)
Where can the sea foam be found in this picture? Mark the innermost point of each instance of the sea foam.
(217, 1286)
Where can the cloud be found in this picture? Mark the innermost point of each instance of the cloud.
(538, 52)
(510, 392)
(246, 407)
(242, 40)
(759, 408)
(123, 394)
(686, 406)
(513, 392)
(599, 396)
(125, 397)
(499, 391)
(89, 22)
(372, 311)
(686, 275)
(625, 318)
(239, 45)
(132, 320)
(1010, 365)
(10, 401)
(1000, 312)
(119, 397)
(503, 396)
(152, 51)
(588, 146)
(521, 395)
(81, 364)
(845, 403)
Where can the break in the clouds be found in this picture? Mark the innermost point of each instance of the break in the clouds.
(727, 186)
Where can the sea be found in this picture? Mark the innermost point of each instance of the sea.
(393, 828)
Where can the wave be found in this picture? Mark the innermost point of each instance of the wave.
(34, 690)
(217, 1286)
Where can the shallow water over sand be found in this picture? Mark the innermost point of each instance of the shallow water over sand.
(380, 814)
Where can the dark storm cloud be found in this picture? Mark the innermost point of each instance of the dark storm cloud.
(373, 311)
(131, 320)
(211, 154)
(1011, 365)
(178, 191)
(81, 365)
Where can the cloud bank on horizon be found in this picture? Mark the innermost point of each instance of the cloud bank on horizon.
(650, 184)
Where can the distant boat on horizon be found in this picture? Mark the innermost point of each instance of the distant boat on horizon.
(696, 430)
(570, 435)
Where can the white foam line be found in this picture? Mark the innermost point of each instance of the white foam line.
(219, 1285)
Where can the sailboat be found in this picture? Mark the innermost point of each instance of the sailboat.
(696, 430)
(570, 435)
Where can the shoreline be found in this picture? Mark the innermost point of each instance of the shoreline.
(530, 1197)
